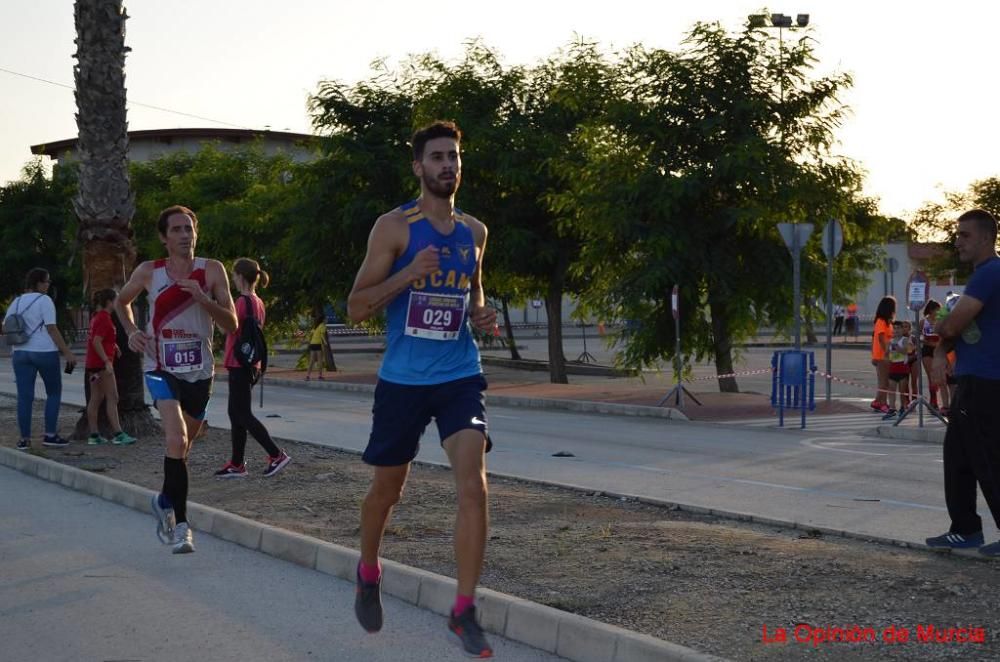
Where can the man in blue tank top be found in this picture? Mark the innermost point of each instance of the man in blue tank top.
(972, 441)
(424, 267)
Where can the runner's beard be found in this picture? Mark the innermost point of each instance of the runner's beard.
(441, 189)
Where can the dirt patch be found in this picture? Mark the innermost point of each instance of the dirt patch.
(703, 582)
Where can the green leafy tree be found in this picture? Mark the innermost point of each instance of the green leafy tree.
(362, 172)
(685, 179)
(244, 200)
(518, 122)
(37, 229)
(935, 222)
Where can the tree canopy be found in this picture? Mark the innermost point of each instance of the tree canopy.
(611, 177)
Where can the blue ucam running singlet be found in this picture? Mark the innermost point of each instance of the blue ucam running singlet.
(429, 339)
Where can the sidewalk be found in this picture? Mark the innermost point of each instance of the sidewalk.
(646, 390)
(86, 579)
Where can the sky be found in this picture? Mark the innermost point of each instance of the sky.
(922, 107)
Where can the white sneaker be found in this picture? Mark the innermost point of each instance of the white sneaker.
(165, 523)
(183, 540)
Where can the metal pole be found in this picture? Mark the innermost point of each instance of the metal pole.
(677, 361)
(829, 317)
(796, 288)
(920, 366)
(781, 79)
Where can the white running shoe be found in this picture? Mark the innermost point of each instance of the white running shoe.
(183, 540)
(164, 515)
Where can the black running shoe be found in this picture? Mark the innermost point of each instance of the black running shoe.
(368, 604)
(55, 441)
(465, 627)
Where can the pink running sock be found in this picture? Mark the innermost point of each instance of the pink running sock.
(370, 573)
(462, 602)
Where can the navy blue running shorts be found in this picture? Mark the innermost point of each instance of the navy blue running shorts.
(192, 396)
(401, 414)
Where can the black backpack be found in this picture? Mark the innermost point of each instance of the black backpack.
(251, 346)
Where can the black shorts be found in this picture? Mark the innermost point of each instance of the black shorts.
(315, 348)
(898, 377)
(192, 396)
(927, 351)
(401, 414)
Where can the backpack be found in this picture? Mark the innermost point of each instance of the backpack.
(251, 346)
(15, 327)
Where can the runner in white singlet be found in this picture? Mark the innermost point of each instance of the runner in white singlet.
(187, 295)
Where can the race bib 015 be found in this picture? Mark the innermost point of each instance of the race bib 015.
(182, 355)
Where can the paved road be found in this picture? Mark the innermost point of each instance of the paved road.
(84, 579)
(864, 485)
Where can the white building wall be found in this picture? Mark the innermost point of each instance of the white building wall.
(143, 149)
(883, 283)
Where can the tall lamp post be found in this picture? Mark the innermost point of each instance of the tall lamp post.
(779, 21)
(794, 234)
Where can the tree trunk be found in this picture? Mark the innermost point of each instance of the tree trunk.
(553, 308)
(105, 204)
(807, 318)
(509, 328)
(722, 345)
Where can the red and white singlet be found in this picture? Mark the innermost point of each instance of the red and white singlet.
(182, 330)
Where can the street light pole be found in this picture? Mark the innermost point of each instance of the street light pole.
(794, 234)
(779, 21)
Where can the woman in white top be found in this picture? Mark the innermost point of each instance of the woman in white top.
(38, 355)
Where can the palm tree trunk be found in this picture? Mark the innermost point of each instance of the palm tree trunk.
(105, 204)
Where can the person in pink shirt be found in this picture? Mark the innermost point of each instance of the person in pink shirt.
(247, 274)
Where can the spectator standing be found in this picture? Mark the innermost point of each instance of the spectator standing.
(102, 350)
(971, 448)
(38, 355)
(928, 342)
(899, 369)
(851, 326)
(838, 319)
(881, 335)
(317, 346)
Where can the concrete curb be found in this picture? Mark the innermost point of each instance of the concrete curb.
(927, 435)
(571, 367)
(583, 406)
(571, 636)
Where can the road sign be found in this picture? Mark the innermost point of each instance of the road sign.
(832, 232)
(795, 236)
(916, 291)
(675, 306)
(537, 303)
(792, 231)
(891, 265)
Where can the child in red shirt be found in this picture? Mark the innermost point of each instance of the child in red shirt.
(102, 349)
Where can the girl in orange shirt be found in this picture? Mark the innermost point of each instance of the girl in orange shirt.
(884, 315)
